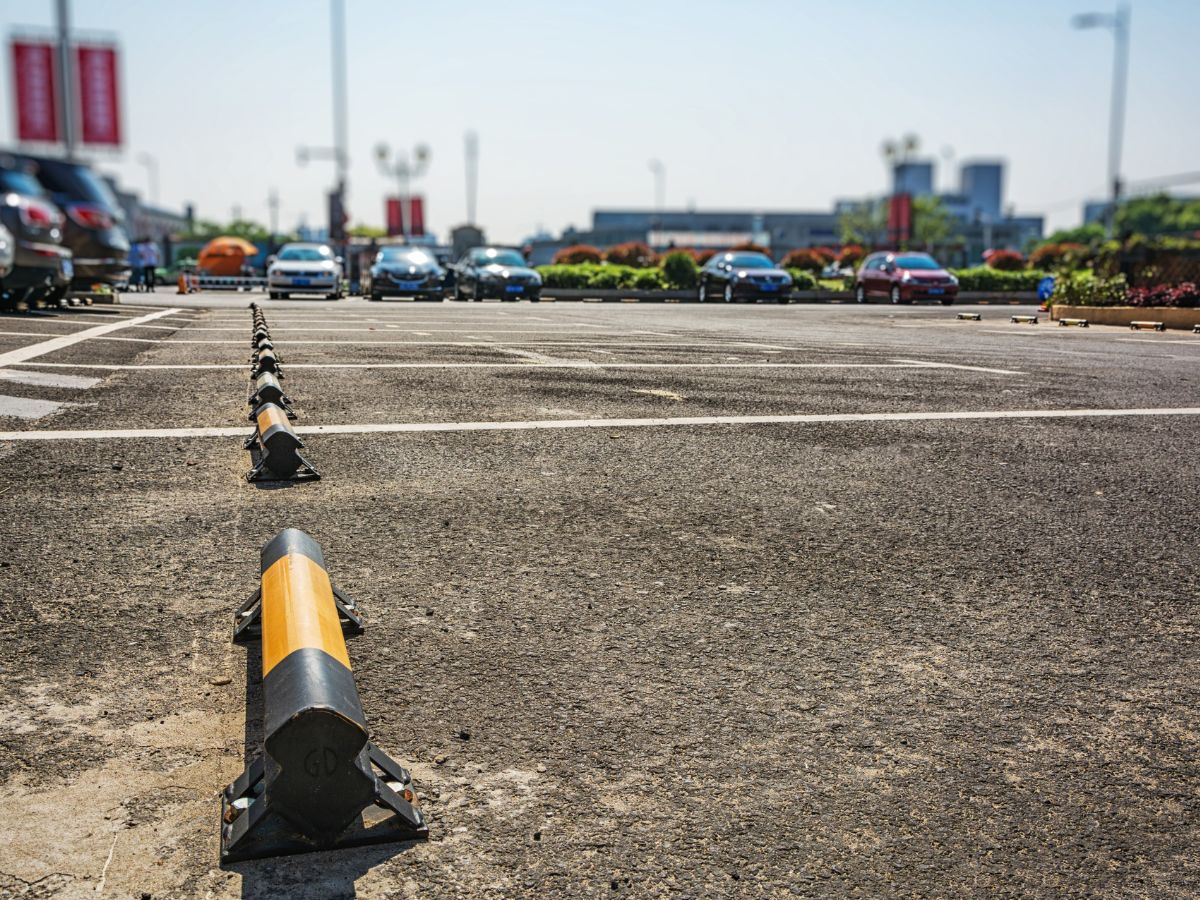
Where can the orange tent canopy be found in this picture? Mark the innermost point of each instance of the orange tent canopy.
(225, 256)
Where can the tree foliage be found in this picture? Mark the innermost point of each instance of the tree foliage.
(932, 222)
(1158, 214)
(865, 223)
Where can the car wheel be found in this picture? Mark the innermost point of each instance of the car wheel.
(703, 292)
(947, 301)
(535, 297)
(272, 295)
(375, 295)
(729, 292)
(895, 295)
(860, 294)
(284, 295)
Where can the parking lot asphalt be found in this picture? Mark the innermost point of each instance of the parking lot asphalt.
(661, 600)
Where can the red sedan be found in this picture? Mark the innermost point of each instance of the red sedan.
(904, 277)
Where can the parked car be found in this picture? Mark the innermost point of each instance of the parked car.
(495, 272)
(8, 251)
(405, 272)
(743, 276)
(42, 266)
(93, 229)
(304, 269)
(904, 277)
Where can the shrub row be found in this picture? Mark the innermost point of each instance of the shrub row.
(1088, 289)
(983, 278)
(602, 277)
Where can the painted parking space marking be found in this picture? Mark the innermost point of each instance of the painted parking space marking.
(26, 407)
(48, 379)
(60, 342)
(532, 364)
(568, 424)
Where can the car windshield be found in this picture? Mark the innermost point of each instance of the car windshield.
(305, 254)
(497, 258)
(96, 189)
(20, 182)
(916, 262)
(405, 255)
(748, 261)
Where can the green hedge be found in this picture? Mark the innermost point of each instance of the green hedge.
(802, 280)
(602, 277)
(982, 278)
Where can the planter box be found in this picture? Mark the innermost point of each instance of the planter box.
(1170, 316)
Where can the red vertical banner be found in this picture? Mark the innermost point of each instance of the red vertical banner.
(36, 91)
(396, 207)
(900, 219)
(99, 97)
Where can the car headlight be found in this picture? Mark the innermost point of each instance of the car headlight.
(954, 279)
(906, 277)
(537, 279)
(741, 275)
(273, 273)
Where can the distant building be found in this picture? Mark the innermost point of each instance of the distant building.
(982, 184)
(142, 220)
(913, 177)
(463, 238)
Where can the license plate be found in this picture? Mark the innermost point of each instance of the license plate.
(408, 285)
(514, 288)
(767, 286)
(937, 290)
(301, 281)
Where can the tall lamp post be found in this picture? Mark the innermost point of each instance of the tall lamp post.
(151, 164)
(660, 183)
(403, 170)
(1118, 22)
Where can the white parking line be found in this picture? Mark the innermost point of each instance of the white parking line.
(941, 365)
(558, 424)
(21, 354)
(534, 364)
(48, 379)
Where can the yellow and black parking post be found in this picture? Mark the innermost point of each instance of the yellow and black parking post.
(277, 447)
(267, 389)
(1023, 320)
(266, 361)
(320, 783)
(1147, 326)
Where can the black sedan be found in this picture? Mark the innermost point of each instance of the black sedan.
(94, 226)
(404, 272)
(42, 266)
(743, 276)
(495, 272)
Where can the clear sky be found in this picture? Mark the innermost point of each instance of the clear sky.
(771, 104)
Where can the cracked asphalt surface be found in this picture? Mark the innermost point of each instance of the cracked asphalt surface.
(877, 658)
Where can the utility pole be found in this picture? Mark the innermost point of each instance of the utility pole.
(273, 209)
(66, 83)
(472, 155)
(660, 184)
(151, 164)
(1119, 23)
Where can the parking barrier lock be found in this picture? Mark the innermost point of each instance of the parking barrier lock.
(970, 317)
(267, 389)
(1196, 328)
(1078, 323)
(260, 334)
(278, 448)
(1024, 320)
(266, 361)
(1147, 326)
(320, 783)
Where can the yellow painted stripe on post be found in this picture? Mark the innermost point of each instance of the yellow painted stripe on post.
(271, 415)
(298, 611)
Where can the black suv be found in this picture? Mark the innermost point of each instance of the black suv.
(93, 229)
(41, 265)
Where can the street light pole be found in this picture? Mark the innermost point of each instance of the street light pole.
(151, 165)
(66, 84)
(403, 171)
(660, 183)
(1119, 23)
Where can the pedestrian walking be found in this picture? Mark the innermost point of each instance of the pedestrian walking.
(150, 260)
(135, 266)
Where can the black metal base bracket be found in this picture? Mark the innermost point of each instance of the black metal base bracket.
(247, 621)
(251, 829)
